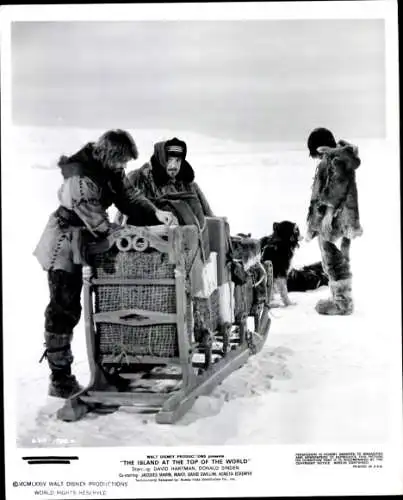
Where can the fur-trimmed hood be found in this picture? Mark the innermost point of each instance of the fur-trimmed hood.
(344, 155)
(158, 163)
(84, 164)
(81, 163)
(152, 180)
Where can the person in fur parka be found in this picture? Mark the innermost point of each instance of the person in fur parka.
(334, 214)
(93, 180)
(167, 173)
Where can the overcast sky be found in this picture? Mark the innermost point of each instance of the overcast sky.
(245, 80)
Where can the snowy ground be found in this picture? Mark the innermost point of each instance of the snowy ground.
(317, 380)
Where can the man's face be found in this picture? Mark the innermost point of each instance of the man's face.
(173, 166)
(118, 164)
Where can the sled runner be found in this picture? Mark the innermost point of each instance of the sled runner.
(164, 321)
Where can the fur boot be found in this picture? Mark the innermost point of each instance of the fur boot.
(58, 353)
(341, 302)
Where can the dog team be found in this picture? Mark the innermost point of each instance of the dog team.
(94, 179)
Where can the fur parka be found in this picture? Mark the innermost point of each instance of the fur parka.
(334, 192)
(153, 180)
(87, 191)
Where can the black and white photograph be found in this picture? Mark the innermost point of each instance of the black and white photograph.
(201, 241)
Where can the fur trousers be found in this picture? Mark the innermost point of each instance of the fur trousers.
(336, 262)
(64, 309)
(61, 316)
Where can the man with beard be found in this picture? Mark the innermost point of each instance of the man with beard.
(93, 180)
(169, 178)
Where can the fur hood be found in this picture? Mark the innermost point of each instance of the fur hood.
(81, 163)
(158, 163)
(335, 186)
(343, 155)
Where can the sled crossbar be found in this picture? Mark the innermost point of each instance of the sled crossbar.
(135, 317)
(131, 359)
(126, 398)
(133, 281)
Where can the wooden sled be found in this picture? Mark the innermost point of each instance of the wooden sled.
(163, 325)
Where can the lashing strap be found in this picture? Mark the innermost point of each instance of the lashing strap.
(53, 349)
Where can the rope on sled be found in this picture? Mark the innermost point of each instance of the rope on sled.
(263, 276)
